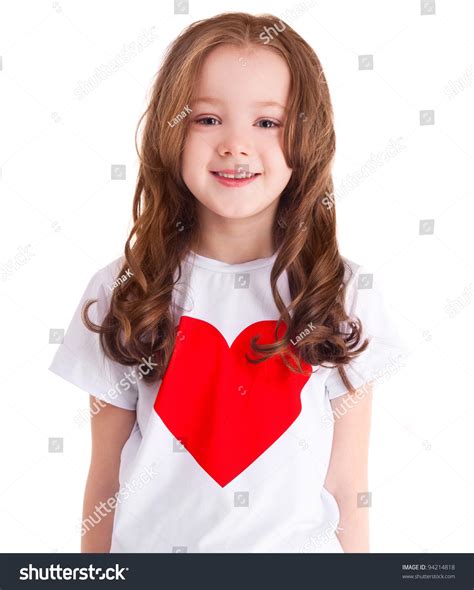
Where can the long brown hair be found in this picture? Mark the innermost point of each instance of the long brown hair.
(139, 322)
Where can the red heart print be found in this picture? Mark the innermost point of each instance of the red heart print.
(225, 410)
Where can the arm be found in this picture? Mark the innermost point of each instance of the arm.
(110, 428)
(347, 473)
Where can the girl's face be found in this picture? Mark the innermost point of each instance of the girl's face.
(237, 116)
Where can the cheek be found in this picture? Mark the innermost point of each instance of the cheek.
(271, 150)
(195, 155)
(189, 150)
(275, 164)
(188, 160)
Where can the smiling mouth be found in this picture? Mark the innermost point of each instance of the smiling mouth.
(235, 175)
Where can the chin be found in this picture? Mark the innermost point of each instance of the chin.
(221, 205)
(238, 212)
(233, 214)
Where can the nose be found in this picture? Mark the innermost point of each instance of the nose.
(233, 144)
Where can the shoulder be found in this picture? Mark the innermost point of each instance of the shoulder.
(100, 287)
(365, 299)
(80, 358)
(352, 271)
(350, 268)
(109, 273)
(362, 291)
(102, 281)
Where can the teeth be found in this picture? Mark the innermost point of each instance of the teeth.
(239, 175)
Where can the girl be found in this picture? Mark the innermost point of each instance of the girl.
(230, 352)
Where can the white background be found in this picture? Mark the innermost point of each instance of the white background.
(60, 207)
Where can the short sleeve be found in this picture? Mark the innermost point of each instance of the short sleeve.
(387, 347)
(80, 360)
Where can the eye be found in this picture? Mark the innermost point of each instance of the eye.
(273, 123)
(205, 121)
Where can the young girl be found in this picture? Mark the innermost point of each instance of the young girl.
(230, 352)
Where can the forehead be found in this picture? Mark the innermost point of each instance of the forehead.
(244, 75)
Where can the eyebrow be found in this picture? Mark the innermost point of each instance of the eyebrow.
(260, 103)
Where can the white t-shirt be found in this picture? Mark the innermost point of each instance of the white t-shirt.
(225, 455)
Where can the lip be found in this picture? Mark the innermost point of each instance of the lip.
(233, 182)
(232, 170)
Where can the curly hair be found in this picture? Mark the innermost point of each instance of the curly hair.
(139, 322)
